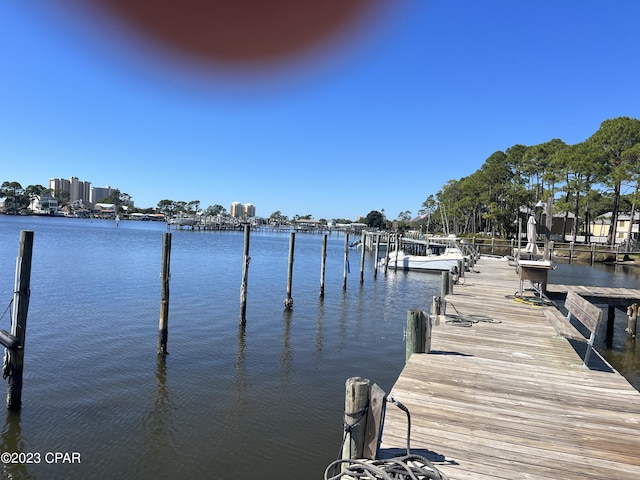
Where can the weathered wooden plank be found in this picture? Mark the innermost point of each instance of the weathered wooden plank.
(508, 400)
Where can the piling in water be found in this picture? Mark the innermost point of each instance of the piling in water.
(346, 261)
(363, 246)
(323, 263)
(165, 275)
(245, 276)
(14, 364)
(288, 302)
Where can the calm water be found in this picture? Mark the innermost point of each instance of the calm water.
(263, 403)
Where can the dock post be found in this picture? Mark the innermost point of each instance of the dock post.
(288, 302)
(363, 245)
(611, 316)
(445, 284)
(418, 333)
(15, 365)
(632, 315)
(355, 416)
(245, 276)
(165, 275)
(376, 253)
(593, 253)
(323, 263)
(436, 310)
(460, 269)
(571, 247)
(346, 261)
(387, 254)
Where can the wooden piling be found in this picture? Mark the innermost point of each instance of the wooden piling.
(418, 333)
(355, 416)
(346, 261)
(363, 245)
(436, 310)
(387, 254)
(571, 247)
(632, 317)
(323, 264)
(15, 365)
(245, 275)
(445, 284)
(376, 253)
(611, 316)
(288, 302)
(165, 275)
(398, 243)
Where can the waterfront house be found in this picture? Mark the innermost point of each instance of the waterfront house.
(44, 204)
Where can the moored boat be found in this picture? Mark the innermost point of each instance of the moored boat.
(433, 254)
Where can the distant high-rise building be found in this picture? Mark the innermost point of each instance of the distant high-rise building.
(78, 190)
(236, 209)
(249, 210)
(99, 193)
(240, 210)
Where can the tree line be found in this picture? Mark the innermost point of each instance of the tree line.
(17, 198)
(587, 179)
(598, 175)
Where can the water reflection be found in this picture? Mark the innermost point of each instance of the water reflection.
(159, 423)
(319, 323)
(12, 442)
(240, 385)
(286, 357)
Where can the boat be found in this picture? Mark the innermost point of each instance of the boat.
(432, 254)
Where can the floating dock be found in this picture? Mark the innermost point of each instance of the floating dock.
(507, 398)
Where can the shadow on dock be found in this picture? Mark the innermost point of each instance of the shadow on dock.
(434, 457)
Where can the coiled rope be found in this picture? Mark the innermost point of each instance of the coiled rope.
(460, 320)
(408, 467)
(414, 467)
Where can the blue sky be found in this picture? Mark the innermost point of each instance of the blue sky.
(421, 95)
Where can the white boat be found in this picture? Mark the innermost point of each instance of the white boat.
(434, 254)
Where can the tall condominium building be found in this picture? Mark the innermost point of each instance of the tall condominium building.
(240, 210)
(236, 209)
(249, 210)
(98, 193)
(78, 190)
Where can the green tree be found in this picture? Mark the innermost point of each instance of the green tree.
(63, 196)
(579, 166)
(375, 219)
(34, 191)
(167, 207)
(215, 210)
(278, 218)
(192, 207)
(15, 197)
(611, 141)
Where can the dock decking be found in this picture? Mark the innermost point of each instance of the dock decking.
(510, 399)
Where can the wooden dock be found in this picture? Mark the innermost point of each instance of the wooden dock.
(509, 399)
